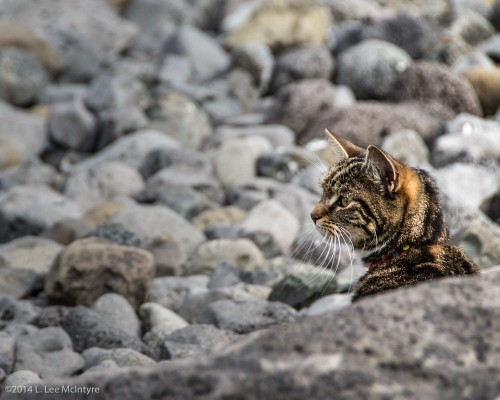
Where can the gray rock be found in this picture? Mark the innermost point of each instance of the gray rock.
(246, 316)
(226, 274)
(154, 314)
(15, 312)
(31, 172)
(79, 59)
(469, 139)
(103, 367)
(303, 286)
(7, 351)
(284, 228)
(179, 117)
(22, 76)
(117, 311)
(22, 136)
(50, 316)
(278, 165)
(475, 58)
(21, 378)
(55, 92)
(472, 27)
(170, 291)
(87, 329)
(149, 222)
(258, 60)
(101, 182)
(115, 233)
(26, 210)
(122, 357)
(235, 159)
(371, 68)
(407, 146)
(306, 62)
(206, 56)
(92, 19)
(91, 267)
(329, 304)
(174, 69)
(278, 135)
(195, 340)
(68, 230)
(242, 252)
(72, 126)
(265, 241)
(168, 254)
(48, 352)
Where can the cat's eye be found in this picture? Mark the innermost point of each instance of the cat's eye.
(344, 201)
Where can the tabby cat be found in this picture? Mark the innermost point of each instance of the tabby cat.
(392, 212)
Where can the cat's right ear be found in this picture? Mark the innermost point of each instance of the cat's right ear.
(342, 148)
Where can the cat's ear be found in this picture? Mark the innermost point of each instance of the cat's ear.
(342, 148)
(383, 167)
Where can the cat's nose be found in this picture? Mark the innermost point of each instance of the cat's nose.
(317, 212)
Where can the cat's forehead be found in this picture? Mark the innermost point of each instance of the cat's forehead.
(346, 173)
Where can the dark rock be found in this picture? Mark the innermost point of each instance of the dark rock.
(491, 207)
(494, 15)
(306, 62)
(246, 316)
(87, 329)
(345, 35)
(89, 268)
(428, 81)
(116, 233)
(51, 316)
(245, 196)
(265, 241)
(277, 165)
(22, 76)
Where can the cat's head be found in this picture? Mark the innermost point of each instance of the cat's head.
(365, 194)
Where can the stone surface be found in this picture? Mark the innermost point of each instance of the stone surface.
(257, 59)
(407, 146)
(26, 210)
(242, 252)
(21, 378)
(87, 329)
(22, 136)
(117, 311)
(154, 314)
(89, 268)
(16, 312)
(169, 255)
(329, 304)
(427, 81)
(115, 233)
(170, 291)
(32, 172)
(22, 76)
(371, 68)
(122, 357)
(47, 352)
(246, 316)
(278, 135)
(227, 215)
(7, 351)
(486, 84)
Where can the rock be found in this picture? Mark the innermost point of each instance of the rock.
(406, 31)
(285, 225)
(87, 329)
(117, 311)
(16, 312)
(72, 126)
(303, 286)
(93, 20)
(427, 81)
(466, 62)
(292, 26)
(234, 161)
(170, 291)
(226, 274)
(298, 104)
(22, 76)
(257, 59)
(278, 165)
(169, 255)
(115, 233)
(89, 268)
(79, 59)
(407, 146)
(103, 212)
(491, 207)
(174, 69)
(123, 358)
(181, 118)
(101, 182)
(486, 84)
(28, 210)
(22, 136)
(469, 139)
(227, 215)
(481, 242)
(50, 316)
(246, 316)
(99, 369)
(150, 15)
(47, 352)
(371, 68)
(329, 304)
(242, 252)
(206, 56)
(278, 135)
(21, 378)
(472, 27)
(245, 196)
(306, 62)
(494, 16)
(31, 172)
(265, 241)
(154, 314)
(7, 350)
(67, 230)
(367, 123)
(149, 222)
(194, 340)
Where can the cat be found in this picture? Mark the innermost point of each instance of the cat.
(393, 213)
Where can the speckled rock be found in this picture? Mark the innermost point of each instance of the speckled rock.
(116, 310)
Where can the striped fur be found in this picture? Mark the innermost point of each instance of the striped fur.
(393, 213)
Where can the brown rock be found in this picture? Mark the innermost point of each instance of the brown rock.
(169, 255)
(102, 212)
(426, 81)
(90, 267)
(486, 83)
(228, 215)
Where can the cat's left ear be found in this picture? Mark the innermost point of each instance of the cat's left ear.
(383, 166)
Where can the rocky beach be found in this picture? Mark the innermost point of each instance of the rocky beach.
(159, 160)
